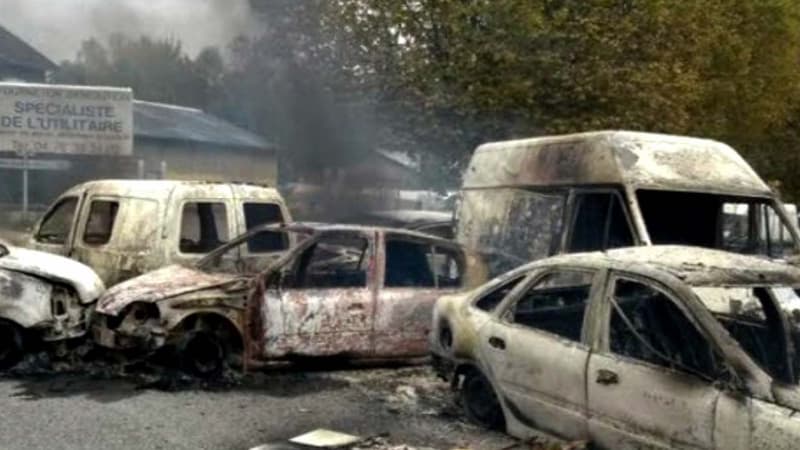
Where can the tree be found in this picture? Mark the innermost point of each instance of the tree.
(486, 69)
(157, 70)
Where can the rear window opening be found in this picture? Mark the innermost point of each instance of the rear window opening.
(204, 227)
(256, 214)
(100, 224)
(738, 224)
(413, 264)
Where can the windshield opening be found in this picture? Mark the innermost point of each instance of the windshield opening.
(752, 319)
(744, 225)
(247, 253)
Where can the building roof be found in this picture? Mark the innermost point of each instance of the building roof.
(16, 52)
(163, 121)
(642, 160)
(400, 158)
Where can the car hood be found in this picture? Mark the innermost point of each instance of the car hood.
(56, 269)
(161, 284)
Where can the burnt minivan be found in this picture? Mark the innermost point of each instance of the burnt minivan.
(124, 228)
(527, 199)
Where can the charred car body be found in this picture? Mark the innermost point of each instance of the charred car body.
(527, 199)
(344, 290)
(42, 296)
(123, 228)
(645, 347)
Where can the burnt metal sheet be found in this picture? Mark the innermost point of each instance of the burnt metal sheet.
(614, 157)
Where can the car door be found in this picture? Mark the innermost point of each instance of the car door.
(415, 272)
(325, 298)
(537, 351)
(650, 378)
(115, 236)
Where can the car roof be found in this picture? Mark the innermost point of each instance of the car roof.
(162, 188)
(316, 227)
(695, 266)
(615, 157)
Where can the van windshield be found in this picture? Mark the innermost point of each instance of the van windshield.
(747, 225)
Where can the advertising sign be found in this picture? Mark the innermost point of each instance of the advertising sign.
(69, 120)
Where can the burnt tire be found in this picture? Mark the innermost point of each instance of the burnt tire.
(480, 403)
(11, 344)
(202, 353)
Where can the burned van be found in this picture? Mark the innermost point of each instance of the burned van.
(527, 199)
(124, 228)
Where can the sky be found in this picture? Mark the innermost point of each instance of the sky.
(57, 27)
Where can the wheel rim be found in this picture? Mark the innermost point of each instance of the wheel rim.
(8, 342)
(481, 401)
(205, 354)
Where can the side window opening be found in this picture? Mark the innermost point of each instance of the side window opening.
(204, 227)
(100, 224)
(448, 266)
(600, 223)
(256, 214)
(336, 261)
(58, 222)
(409, 264)
(493, 298)
(556, 304)
(646, 325)
(687, 218)
(756, 324)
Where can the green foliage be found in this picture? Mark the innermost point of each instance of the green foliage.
(506, 68)
(157, 70)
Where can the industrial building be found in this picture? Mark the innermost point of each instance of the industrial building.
(169, 141)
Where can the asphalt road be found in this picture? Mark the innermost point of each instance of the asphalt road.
(84, 411)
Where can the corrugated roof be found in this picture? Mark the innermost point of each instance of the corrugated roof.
(163, 121)
(15, 51)
(399, 157)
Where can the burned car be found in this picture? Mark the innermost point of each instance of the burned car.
(646, 347)
(350, 291)
(42, 297)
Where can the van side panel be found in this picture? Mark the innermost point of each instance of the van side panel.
(511, 226)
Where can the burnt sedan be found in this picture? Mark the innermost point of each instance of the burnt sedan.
(650, 347)
(351, 291)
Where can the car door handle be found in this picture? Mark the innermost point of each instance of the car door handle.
(497, 343)
(606, 377)
(356, 307)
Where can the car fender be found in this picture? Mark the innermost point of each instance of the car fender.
(24, 299)
(58, 269)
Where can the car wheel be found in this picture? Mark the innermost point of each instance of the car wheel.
(202, 353)
(11, 344)
(480, 402)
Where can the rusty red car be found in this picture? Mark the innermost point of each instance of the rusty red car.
(344, 290)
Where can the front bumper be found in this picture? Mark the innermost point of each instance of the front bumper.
(126, 337)
(443, 366)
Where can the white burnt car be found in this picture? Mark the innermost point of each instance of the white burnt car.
(359, 292)
(42, 297)
(648, 347)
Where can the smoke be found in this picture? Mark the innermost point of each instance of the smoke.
(57, 28)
